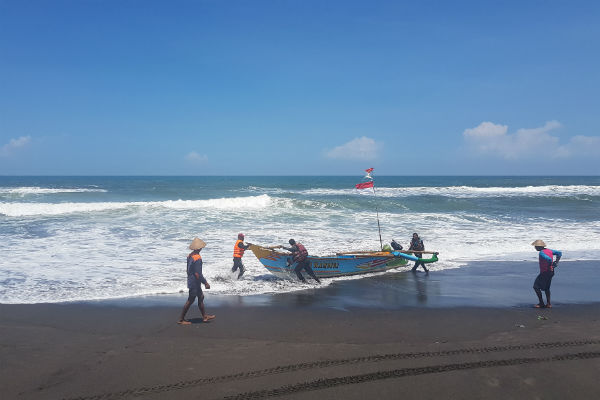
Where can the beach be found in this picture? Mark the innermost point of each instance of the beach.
(291, 162)
(92, 352)
(314, 343)
(92, 282)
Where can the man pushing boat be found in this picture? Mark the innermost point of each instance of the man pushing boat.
(300, 256)
(238, 252)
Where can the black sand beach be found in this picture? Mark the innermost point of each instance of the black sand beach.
(316, 343)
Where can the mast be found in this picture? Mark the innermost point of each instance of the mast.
(378, 226)
(371, 184)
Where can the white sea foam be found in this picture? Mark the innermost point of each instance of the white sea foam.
(235, 203)
(39, 190)
(130, 254)
(83, 251)
(465, 191)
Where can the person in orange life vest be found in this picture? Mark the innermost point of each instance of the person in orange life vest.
(194, 281)
(300, 256)
(238, 252)
(547, 265)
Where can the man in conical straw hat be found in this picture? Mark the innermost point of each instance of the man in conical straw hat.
(194, 281)
(547, 265)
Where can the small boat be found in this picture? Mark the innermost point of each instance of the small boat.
(281, 265)
(341, 264)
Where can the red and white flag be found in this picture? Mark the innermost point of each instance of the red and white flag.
(364, 185)
(368, 171)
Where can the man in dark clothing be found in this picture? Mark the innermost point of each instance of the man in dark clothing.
(238, 252)
(417, 244)
(300, 256)
(194, 281)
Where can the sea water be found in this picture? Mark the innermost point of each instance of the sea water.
(84, 238)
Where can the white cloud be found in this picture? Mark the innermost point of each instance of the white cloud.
(196, 158)
(14, 144)
(362, 148)
(486, 130)
(580, 145)
(492, 139)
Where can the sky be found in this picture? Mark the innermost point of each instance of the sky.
(299, 87)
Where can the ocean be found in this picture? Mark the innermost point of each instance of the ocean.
(90, 238)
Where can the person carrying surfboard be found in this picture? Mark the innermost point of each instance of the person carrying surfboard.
(194, 281)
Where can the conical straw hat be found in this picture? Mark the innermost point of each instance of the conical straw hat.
(539, 243)
(197, 244)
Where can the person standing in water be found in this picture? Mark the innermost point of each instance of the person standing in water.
(194, 281)
(417, 244)
(238, 253)
(544, 279)
(300, 256)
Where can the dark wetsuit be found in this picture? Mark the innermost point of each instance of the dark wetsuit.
(417, 244)
(194, 266)
(303, 263)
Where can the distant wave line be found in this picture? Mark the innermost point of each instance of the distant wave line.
(235, 203)
(39, 190)
(451, 191)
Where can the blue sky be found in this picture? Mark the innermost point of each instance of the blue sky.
(303, 87)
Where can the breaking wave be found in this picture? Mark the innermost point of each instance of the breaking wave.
(234, 203)
(33, 190)
(465, 191)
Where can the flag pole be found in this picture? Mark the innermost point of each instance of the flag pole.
(378, 226)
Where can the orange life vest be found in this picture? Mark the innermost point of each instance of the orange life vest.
(195, 257)
(237, 251)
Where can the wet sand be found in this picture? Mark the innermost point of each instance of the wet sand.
(465, 333)
(99, 351)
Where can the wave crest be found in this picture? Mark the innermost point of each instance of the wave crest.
(32, 190)
(466, 191)
(233, 203)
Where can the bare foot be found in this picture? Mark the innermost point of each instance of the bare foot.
(184, 322)
(540, 306)
(548, 305)
(207, 318)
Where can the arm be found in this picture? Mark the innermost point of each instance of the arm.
(241, 245)
(198, 273)
(558, 254)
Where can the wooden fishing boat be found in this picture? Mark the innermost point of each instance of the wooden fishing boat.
(341, 264)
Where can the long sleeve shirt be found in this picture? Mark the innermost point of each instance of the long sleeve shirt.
(194, 266)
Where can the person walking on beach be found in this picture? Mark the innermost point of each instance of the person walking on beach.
(238, 253)
(300, 256)
(547, 265)
(194, 281)
(417, 244)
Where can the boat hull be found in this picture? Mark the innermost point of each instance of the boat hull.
(279, 264)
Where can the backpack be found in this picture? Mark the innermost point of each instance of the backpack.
(395, 245)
